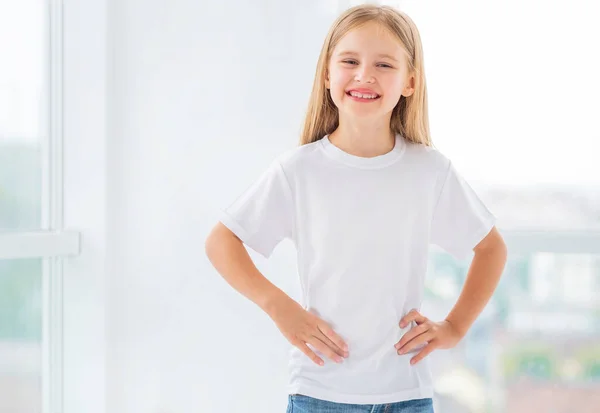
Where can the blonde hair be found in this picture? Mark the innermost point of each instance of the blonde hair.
(410, 116)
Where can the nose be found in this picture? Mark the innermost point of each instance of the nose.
(363, 75)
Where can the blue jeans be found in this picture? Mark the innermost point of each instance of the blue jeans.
(298, 403)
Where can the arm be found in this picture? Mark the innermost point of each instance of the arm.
(482, 278)
(229, 257)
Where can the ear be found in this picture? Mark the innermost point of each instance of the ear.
(327, 83)
(409, 89)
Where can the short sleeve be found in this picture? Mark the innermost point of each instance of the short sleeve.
(263, 215)
(460, 219)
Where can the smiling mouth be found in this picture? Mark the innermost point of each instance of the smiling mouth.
(363, 96)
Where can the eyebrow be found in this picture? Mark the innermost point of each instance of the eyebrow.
(350, 53)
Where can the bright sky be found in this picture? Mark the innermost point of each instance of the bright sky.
(513, 86)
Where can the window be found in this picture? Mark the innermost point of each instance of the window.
(31, 241)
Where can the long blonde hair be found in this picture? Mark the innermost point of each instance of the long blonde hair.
(409, 117)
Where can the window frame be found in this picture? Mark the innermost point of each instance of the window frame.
(75, 125)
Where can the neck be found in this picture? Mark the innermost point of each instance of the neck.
(363, 138)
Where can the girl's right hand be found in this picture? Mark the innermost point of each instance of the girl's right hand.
(301, 328)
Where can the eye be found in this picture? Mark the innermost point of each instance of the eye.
(384, 65)
(350, 61)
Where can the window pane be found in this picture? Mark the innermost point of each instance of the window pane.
(537, 343)
(550, 207)
(22, 111)
(21, 336)
(491, 71)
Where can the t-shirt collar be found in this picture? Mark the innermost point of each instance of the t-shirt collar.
(379, 161)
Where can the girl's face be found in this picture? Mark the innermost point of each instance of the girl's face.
(368, 72)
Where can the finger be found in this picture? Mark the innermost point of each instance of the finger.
(311, 355)
(423, 353)
(413, 315)
(333, 336)
(411, 334)
(318, 334)
(323, 348)
(415, 342)
(333, 339)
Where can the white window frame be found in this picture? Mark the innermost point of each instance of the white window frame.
(554, 241)
(73, 359)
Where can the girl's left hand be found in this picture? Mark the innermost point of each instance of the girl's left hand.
(442, 335)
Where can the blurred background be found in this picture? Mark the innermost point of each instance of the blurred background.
(143, 118)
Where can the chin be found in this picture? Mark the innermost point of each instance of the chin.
(365, 112)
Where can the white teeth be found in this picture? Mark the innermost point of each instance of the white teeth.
(363, 96)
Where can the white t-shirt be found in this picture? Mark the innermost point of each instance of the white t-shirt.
(362, 229)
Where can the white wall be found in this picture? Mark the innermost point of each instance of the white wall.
(193, 119)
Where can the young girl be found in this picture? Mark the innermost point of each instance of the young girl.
(362, 198)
